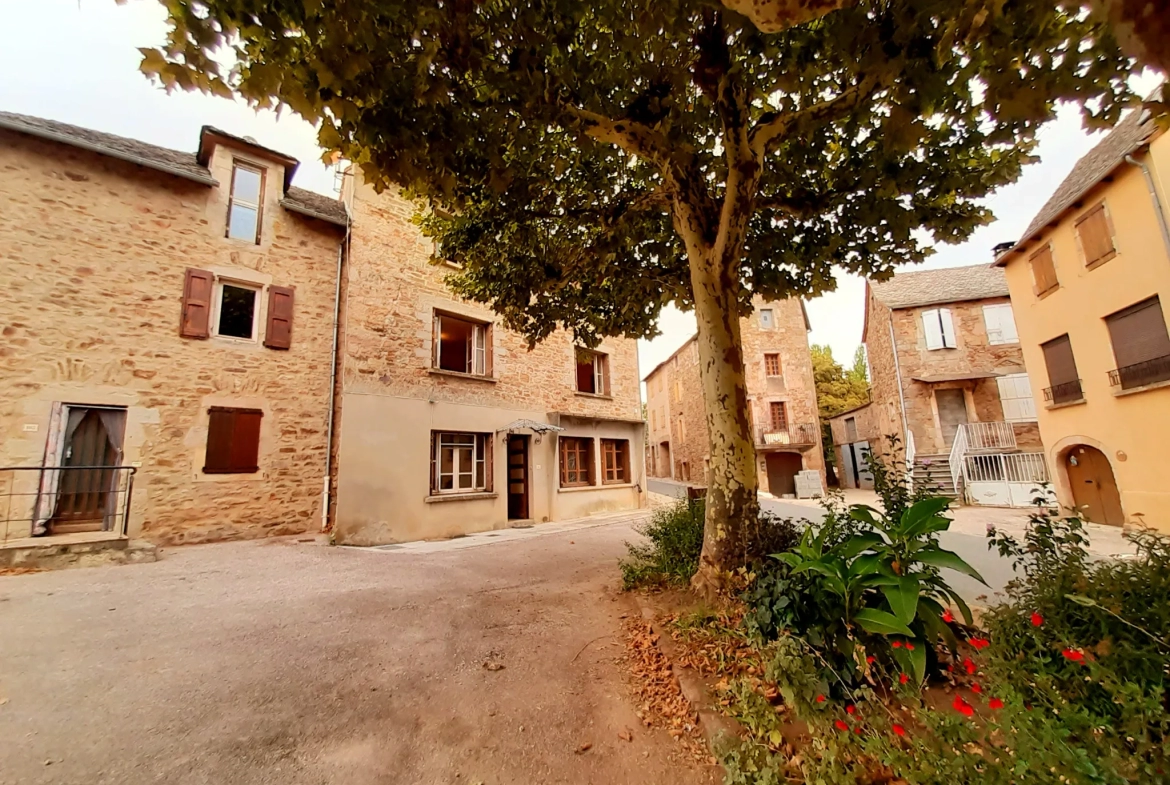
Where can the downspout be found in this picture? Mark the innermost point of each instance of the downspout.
(325, 495)
(1162, 221)
(901, 394)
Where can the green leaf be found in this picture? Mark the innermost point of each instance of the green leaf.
(863, 513)
(940, 557)
(930, 614)
(920, 514)
(903, 599)
(961, 604)
(858, 543)
(880, 622)
(917, 657)
(1081, 599)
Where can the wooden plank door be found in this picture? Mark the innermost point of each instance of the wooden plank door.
(1094, 488)
(82, 493)
(517, 477)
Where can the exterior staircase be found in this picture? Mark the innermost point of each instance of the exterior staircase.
(934, 471)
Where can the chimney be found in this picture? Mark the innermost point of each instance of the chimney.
(999, 249)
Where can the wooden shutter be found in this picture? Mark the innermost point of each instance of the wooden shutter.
(1096, 236)
(933, 329)
(489, 361)
(278, 333)
(233, 441)
(197, 291)
(218, 457)
(1043, 270)
(246, 441)
(1058, 357)
(1139, 333)
(948, 328)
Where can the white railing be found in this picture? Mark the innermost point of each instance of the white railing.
(958, 450)
(1028, 467)
(910, 454)
(989, 435)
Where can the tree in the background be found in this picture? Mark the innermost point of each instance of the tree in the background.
(588, 163)
(838, 390)
(860, 369)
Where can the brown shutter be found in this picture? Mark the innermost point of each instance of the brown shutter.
(1096, 236)
(488, 457)
(1043, 270)
(489, 353)
(1058, 356)
(219, 441)
(278, 333)
(1139, 333)
(196, 317)
(246, 441)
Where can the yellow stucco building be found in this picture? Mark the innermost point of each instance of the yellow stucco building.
(1090, 287)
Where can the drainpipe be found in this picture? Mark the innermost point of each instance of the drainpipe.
(1162, 222)
(898, 373)
(325, 498)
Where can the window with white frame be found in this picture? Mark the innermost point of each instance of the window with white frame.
(1015, 394)
(462, 345)
(592, 372)
(244, 203)
(236, 310)
(939, 328)
(1000, 323)
(460, 462)
(767, 318)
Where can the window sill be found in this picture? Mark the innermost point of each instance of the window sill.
(602, 487)
(1142, 389)
(457, 375)
(1047, 292)
(593, 395)
(1065, 404)
(234, 340)
(460, 497)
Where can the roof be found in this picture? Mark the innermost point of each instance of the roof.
(948, 285)
(315, 205)
(209, 134)
(854, 410)
(1132, 132)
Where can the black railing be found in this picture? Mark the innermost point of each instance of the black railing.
(1065, 392)
(797, 433)
(45, 500)
(1141, 374)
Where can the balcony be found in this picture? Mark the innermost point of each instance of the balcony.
(794, 435)
(1065, 392)
(1141, 374)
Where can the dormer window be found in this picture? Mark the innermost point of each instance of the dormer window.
(244, 203)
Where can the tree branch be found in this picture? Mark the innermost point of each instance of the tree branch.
(633, 137)
(774, 125)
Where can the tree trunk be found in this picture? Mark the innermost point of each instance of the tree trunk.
(732, 503)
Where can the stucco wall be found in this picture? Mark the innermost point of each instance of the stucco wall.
(94, 254)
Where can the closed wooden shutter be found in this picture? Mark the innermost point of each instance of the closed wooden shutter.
(196, 317)
(1043, 270)
(1096, 236)
(246, 441)
(1058, 357)
(1139, 333)
(233, 441)
(278, 333)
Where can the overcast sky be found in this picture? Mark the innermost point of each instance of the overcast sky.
(77, 61)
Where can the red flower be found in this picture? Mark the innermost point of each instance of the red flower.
(899, 730)
(851, 709)
(979, 643)
(995, 703)
(1072, 655)
(903, 678)
(947, 616)
(962, 706)
(970, 666)
(869, 660)
(841, 725)
(1037, 619)
(820, 699)
(896, 644)
(909, 646)
(975, 688)
(857, 730)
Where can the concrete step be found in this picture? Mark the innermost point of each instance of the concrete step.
(82, 549)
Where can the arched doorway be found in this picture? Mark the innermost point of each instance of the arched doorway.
(782, 470)
(1094, 490)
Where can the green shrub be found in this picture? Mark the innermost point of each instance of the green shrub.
(675, 537)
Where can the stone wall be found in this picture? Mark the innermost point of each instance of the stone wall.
(93, 261)
(886, 408)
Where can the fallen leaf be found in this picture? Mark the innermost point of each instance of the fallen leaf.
(626, 734)
(585, 747)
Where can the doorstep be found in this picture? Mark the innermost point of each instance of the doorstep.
(77, 549)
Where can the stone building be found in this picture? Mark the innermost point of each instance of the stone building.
(855, 435)
(195, 322)
(945, 365)
(781, 394)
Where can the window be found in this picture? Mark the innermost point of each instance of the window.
(1062, 371)
(778, 415)
(1015, 394)
(576, 461)
(1043, 271)
(1000, 323)
(682, 428)
(615, 461)
(592, 372)
(771, 365)
(940, 329)
(236, 310)
(767, 318)
(233, 441)
(678, 390)
(460, 462)
(461, 345)
(1140, 345)
(1095, 236)
(244, 203)
(850, 429)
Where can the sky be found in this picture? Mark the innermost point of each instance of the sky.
(76, 61)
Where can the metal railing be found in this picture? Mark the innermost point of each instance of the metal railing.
(796, 433)
(41, 500)
(1006, 467)
(955, 459)
(1065, 392)
(1140, 374)
(990, 435)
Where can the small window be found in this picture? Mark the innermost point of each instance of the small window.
(778, 415)
(1000, 323)
(460, 462)
(1141, 346)
(236, 311)
(462, 345)
(1095, 235)
(682, 428)
(939, 329)
(1043, 271)
(592, 372)
(771, 364)
(767, 319)
(244, 203)
(678, 390)
(576, 461)
(615, 461)
(850, 429)
(233, 441)
(1015, 395)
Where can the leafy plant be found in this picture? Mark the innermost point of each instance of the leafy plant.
(675, 537)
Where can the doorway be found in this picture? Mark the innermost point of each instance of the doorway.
(85, 488)
(518, 477)
(665, 464)
(782, 470)
(952, 412)
(1094, 490)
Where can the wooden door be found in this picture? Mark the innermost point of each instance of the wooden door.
(952, 412)
(83, 493)
(782, 470)
(1093, 487)
(518, 477)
